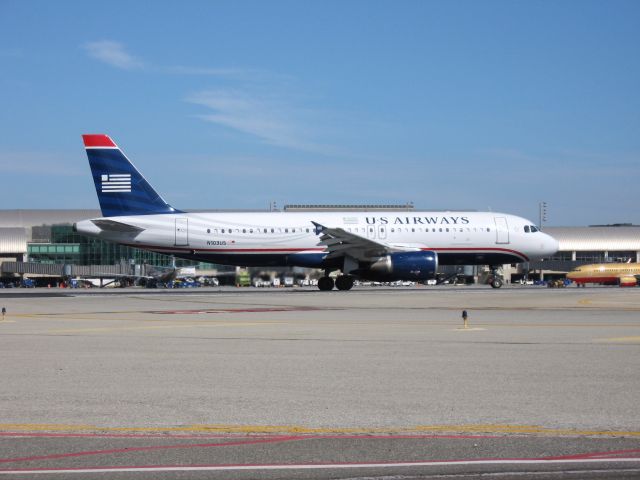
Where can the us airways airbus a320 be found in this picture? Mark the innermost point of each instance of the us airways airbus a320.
(380, 246)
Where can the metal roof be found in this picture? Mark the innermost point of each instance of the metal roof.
(31, 218)
(596, 239)
(13, 240)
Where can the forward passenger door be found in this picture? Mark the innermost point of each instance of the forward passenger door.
(502, 230)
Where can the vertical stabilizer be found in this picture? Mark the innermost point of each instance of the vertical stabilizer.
(121, 189)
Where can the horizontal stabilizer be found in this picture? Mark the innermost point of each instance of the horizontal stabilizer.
(113, 226)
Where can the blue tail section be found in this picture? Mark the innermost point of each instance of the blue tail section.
(121, 189)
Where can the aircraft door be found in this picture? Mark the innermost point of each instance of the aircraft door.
(382, 231)
(502, 230)
(182, 232)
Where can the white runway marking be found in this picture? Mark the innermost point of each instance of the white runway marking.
(327, 466)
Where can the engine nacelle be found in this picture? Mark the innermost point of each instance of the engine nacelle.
(403, 266)
(628, 281)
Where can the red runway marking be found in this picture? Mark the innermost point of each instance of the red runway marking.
(597, 454)
(155, 447)
(587, 457)
(246, 441)
(169, 436)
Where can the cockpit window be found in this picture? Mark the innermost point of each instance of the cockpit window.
(534, 229)
(526, 229)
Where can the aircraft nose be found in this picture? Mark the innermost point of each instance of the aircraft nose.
(551, 245)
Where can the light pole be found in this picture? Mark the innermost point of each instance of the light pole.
(542, 210)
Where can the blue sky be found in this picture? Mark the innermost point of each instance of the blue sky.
(453, 104)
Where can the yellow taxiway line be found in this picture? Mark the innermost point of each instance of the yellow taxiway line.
(619, 340)
(299, 429)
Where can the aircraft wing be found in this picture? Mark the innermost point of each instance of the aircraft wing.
(113, 226)
(341, 243)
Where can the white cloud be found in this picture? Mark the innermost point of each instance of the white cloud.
(255, 107)
(266, 117)
(115, 54)
(112, 53)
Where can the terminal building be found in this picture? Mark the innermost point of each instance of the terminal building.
(584, 246)
(32, 238)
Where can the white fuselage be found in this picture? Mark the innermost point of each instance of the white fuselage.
(290, 238)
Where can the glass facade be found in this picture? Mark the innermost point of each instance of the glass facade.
(70, 247)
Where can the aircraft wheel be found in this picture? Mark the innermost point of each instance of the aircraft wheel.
(344, 282)
(496, 283)
(325, 284)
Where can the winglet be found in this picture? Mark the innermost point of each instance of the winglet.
(318, 228)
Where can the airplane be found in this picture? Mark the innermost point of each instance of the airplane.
(377, 246)
(623, 274)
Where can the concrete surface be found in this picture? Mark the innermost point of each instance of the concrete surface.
(540, 373)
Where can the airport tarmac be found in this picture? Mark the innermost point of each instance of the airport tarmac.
(297, 383)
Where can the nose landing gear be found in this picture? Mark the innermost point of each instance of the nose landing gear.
(496, 280)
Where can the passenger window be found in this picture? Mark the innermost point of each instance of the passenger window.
(273, 230)
(286, 230)
(222, 231)
(244, 230)
(307, 230)
(208, 230)
(488, 229)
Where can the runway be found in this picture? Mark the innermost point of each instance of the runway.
(295, 383)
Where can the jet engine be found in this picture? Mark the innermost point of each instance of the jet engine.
(628, 281)
(403, 266)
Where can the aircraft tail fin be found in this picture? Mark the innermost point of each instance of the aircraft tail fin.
(121, 188)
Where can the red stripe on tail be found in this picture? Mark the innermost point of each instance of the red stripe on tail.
(97, 141)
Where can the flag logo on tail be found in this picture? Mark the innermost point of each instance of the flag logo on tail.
(116, 183)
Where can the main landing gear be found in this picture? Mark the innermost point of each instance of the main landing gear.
(343, 282)
(325, 284)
